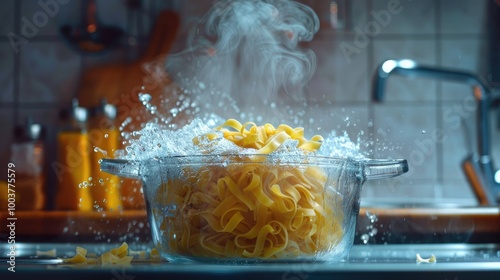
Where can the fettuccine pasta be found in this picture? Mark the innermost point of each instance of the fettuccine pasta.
(252, 210)
(119, 256)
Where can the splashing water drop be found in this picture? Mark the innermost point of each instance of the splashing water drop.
(373, 232)
(365, 237)
(144, 98)
(99, 150)
(372, 217)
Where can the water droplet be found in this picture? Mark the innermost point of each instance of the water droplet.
(372, 217)
(65, 229)
(365, 237)
(144, 97)
(373, 232)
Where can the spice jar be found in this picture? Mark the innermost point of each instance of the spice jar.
(27, 153)
(103, 137)
(73, 165)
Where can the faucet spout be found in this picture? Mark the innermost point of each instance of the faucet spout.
(481, 91)
(409, 68)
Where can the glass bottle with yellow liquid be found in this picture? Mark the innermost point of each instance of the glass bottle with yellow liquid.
(104, 137)
(73, 167)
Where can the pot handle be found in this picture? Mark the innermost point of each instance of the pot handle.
(120, 167)
(385, 168)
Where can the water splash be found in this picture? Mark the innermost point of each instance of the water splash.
(371, 228)
(241, 57)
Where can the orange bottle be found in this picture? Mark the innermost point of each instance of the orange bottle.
(73, 165)
(104, 137)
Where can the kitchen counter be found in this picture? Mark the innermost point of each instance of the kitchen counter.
(393, 225)
(466, 242)
(454, 261)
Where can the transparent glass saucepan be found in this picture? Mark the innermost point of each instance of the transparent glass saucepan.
(253, 208)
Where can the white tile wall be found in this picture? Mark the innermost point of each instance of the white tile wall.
(7, 16)
(350, 119)
(49, 73)
(112, 12)
(7, 73)
(411, 17)
(339, 76)
(47, 21)
(407, 132)
(465, 55)
(463, 17)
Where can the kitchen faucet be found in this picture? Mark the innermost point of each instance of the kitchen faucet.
(478, 166)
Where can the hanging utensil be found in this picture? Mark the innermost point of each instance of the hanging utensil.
(91, 36)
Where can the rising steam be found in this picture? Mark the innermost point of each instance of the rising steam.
(248, 49)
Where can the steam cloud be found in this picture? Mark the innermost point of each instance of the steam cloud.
(248, 50)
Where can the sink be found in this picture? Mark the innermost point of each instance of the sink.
(399, 224)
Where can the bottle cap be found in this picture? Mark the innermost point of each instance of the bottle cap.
(29, 131)
(79, 114)
(106, 109)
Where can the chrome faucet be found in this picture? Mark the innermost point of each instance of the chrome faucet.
(478, 167)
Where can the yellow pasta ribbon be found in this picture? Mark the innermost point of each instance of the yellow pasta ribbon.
(265, 139)
(251, 210)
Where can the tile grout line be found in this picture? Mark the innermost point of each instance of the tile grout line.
(370, 105)
(17, 67)
(439, 98)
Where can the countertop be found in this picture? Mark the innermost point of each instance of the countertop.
(394, 225)
(454, 261)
